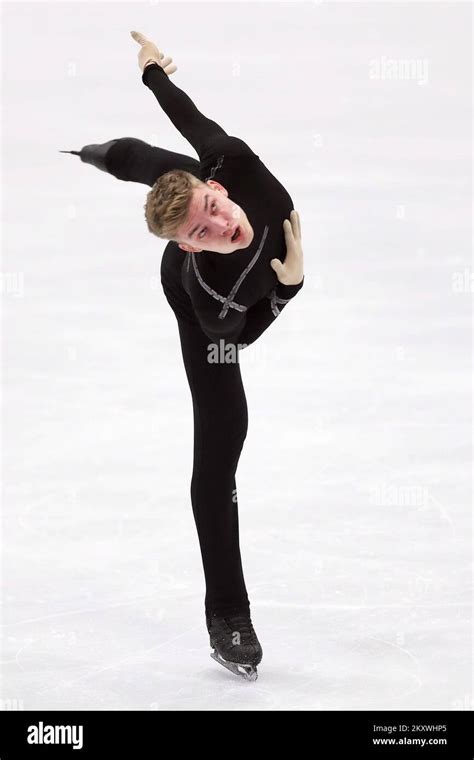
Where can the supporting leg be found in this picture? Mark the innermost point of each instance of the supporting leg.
(220, 428)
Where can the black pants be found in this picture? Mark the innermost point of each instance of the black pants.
(219, 403)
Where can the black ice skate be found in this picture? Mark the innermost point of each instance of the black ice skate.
(94, 154)
(235, 644)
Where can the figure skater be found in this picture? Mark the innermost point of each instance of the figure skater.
(233, 262)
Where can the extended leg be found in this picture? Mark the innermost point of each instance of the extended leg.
(134, 160)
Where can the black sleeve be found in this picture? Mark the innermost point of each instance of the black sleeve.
(193, 125)
(264, 313)
(246, 327)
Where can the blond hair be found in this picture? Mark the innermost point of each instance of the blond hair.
(168, 201)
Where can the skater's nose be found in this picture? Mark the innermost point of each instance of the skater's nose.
(223, 226)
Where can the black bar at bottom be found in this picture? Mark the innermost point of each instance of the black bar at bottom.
(109, 734)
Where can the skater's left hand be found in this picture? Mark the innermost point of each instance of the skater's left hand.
(149, 53)
(290, 272)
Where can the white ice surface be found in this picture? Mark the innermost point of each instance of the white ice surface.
(354, 484)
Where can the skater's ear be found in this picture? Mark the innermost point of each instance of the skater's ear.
(217, 186)
(189, 248)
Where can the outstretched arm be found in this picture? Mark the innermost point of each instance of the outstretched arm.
(193, 125)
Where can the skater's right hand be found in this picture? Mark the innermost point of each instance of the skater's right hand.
(149, 53)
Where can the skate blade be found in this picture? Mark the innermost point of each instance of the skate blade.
(244, 671)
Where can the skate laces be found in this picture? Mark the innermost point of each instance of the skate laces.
(240, 623)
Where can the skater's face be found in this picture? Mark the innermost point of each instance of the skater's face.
(214, 222)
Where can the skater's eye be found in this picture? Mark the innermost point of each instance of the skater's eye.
(214, 206)
(201, 235)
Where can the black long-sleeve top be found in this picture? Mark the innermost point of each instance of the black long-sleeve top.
(235, 296)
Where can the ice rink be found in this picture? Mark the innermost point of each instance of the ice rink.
(356, 531)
